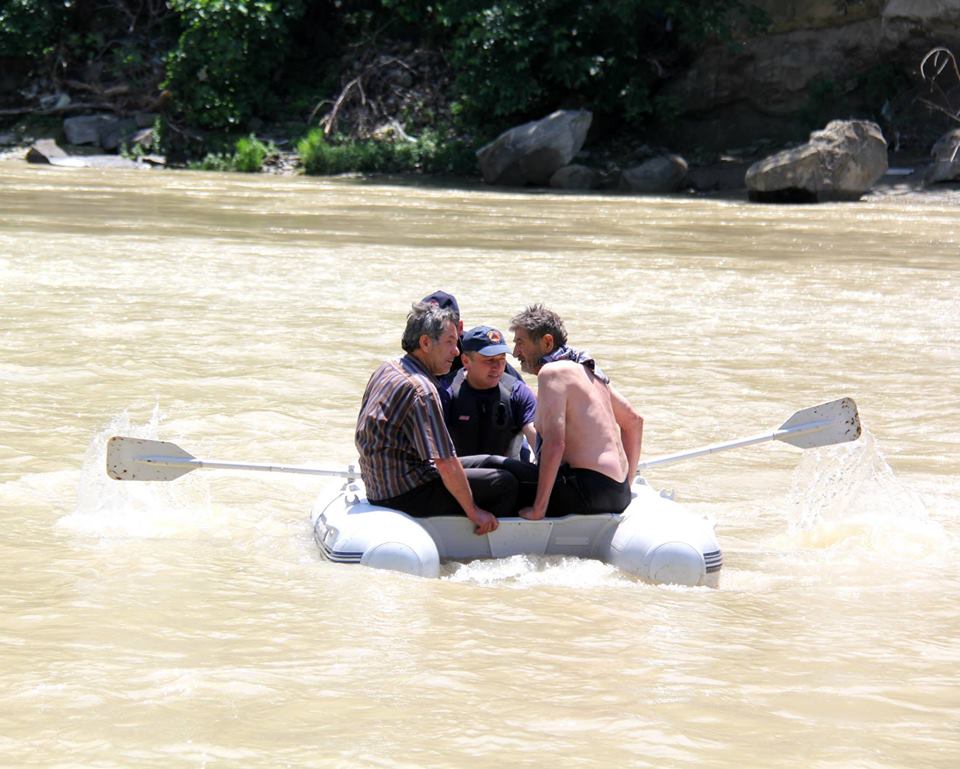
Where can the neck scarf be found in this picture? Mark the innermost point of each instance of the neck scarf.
(582, 357)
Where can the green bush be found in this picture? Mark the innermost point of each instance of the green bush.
(221, 70)
(248, 156)
(428, 154)
(29, 28)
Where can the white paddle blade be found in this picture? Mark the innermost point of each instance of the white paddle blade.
(823, 425)
(139, 459)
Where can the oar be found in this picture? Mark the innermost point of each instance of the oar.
(823, 425)
(139, 459)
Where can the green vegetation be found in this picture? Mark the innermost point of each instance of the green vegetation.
(426, 154)
(526, 56)
(223, 65)
(248, 156)
(217, 69)
(29, 27)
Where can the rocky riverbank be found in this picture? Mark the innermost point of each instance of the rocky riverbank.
(737, 106)
(721, 177)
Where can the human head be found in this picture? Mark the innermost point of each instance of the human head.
(536, 332)
(445, 301)
(431, 336)
(484, 356)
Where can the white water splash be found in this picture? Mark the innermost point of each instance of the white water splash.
(847, 499)
(110, 508)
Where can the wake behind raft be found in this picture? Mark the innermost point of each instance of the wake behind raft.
(654, 539)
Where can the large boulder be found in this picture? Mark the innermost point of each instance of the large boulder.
(840, 162)
(655, 176)
(534, 152)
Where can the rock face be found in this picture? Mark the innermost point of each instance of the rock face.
(816, 54)
(840, 162)
(534, 152)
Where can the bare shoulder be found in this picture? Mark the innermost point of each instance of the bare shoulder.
(559, 371)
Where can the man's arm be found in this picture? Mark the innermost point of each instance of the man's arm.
(455, 479)
(530, 433)
(631, 430)
(524, 404)
(552, 421)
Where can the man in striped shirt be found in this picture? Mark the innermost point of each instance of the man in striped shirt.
(407, 458)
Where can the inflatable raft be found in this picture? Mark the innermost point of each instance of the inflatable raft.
(655, 538)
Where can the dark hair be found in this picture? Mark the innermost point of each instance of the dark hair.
(425, 318)
(538, 321)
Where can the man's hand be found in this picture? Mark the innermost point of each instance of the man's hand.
(485, 521)
(531, 514)
(455, 479)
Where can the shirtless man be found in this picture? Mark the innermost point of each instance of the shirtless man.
(589, 434)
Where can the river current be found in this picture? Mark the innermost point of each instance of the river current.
(193, 623)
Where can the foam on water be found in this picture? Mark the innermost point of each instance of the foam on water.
(110, 508)
(536, 571)
(846, 499)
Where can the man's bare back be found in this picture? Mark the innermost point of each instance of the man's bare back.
(591, 437)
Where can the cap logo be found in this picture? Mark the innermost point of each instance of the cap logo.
(494, 336)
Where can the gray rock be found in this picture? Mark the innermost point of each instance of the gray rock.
(947, 147)
(44, 151)
(840, 162)
(117, 133)
(658, 175)
(573, 177)
(87, 129)
(946, 159)
(533, 152)
(96, 161)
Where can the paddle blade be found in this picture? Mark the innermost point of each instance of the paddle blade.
(823, 425)
(139, 459)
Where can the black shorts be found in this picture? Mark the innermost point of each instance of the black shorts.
(575, 491)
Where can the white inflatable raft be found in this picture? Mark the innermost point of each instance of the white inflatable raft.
(654, 539)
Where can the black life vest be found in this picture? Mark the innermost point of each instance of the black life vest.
(481, 421)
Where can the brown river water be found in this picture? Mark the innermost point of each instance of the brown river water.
(193, 623)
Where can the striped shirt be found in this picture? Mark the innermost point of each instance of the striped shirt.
(400, 428)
